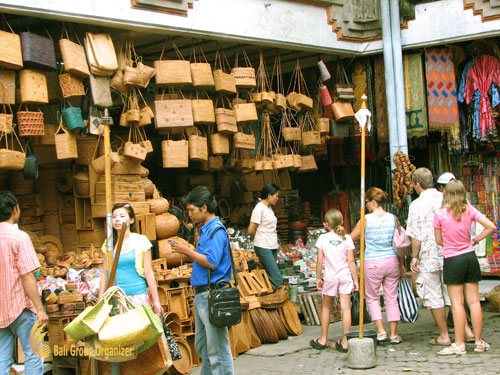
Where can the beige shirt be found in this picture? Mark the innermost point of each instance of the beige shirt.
(420, 226)
(265, 235)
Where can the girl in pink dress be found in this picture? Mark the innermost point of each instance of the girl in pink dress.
(335, 250)
(452, 224)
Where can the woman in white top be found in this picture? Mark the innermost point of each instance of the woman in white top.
(263, 230)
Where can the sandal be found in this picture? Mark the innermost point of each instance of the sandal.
(382, 337)
(481, 346)
(453, 349)
(436, 342)
(316, 345)
(339, 347)
(395, 340)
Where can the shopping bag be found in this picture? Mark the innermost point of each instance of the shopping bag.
(355, 310)
(156, 327)
(407, 302)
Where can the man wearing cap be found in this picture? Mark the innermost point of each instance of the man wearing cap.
(427, 256)
(443, 180)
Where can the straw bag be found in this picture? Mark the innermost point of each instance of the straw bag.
(38, 51)
(11, 56)
(198, 147)
(73, 56)
(203, 110)
(173, 72)
(73, 118)
(125, 329)
(101, 91)
(65, 143)
(101, 54)
(323, 125)
(30, 123)
(9, 158)
(175, 154)
(133, 148)
(117, 83)
(291, 134)
(71, 85)
(308, 164)
(173, 113)
(7, 86)
(343, 111)
(98, 164)
(224, 82)
(244, 76)
(219, 144)
(245, 112)
(311, 138)
(344, 90)
(244, 141)
(33, 87)
(6, 120)
(201, 72)
(298, 96)
(225, 118)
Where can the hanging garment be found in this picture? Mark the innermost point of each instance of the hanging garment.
(482, 74)
(381, 120)
(340, 201)
(441, 88)
(415, 100)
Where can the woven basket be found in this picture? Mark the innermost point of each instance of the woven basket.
(224, 82)
(6, 123)
(173, 113)
(86, 148)
(98, 164)
(30, 123)
(201, 75)
(12, 160)
(280, 101)
(117, 83)
(323, 125)
(245, 112)
(244, 141)
(175, 154)
(493, 297)
(215, 163)
(244, 77)
(311, 138)
(198, 148)
(10, 50)
(219, 144)
(65, 143)
(291, 134)
(33, 87)
(38, 51)
(71, 85)
(7, 86)
(173, 72)
(226, 121)
(74, 58)
(203, 111)
(308, 164)
(73, 118)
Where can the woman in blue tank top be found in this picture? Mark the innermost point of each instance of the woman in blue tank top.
(382, 265)
(134, 273)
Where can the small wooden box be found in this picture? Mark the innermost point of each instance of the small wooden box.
(146, 225)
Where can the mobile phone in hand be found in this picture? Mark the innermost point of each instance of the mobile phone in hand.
(172, 242)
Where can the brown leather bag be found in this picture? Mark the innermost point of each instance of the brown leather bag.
(343, 111)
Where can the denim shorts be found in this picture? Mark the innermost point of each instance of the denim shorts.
(462, 269)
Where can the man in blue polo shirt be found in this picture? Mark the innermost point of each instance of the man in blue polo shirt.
(212, 251)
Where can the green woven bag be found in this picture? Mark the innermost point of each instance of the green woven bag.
(156, 327)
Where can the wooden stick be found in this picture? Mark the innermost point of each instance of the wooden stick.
(121, 235)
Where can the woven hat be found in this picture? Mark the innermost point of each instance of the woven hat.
(446, 177)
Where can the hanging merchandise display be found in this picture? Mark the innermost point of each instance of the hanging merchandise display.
(38, 51)
(10, 48)
(11, 159)
(415, 96)
(298, 95)
(101, 54)
(224, 117)
(381, 120)
(173, 113)
(136, 73)
(442, 103)
(244, 76)
(224, 82)
(201, 70)
(73, 55)
(173, 72)
(280, 100)
(402, 182)
(289, 127)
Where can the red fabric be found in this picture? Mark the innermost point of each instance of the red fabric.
(484, 71)
(339, 201)
(18, 258)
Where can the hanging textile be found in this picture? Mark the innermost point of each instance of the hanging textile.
(441, 88)
(359, 81)
(381, 120)
(416, 111)
(482, 74)
(339, 201)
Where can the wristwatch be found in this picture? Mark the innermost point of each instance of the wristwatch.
(414, 256)
(474, 241)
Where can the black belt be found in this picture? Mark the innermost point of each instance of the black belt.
(202, 288)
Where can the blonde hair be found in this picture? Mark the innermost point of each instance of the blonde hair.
(376, 194)
(454, 198)
(335, 220)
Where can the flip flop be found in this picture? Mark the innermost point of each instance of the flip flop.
(435, 342)
(316, 345)
(339, 347)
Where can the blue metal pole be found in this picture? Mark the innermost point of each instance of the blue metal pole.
(389, 79)
(399, 86)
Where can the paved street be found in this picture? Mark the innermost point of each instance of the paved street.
(414, 356)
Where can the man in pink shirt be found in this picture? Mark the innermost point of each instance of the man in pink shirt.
(20, 304)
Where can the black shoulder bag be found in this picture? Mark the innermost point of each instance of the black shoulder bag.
(223, 299)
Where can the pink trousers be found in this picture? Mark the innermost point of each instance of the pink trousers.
(383, 272)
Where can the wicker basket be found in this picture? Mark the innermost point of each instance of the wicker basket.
(493, 297)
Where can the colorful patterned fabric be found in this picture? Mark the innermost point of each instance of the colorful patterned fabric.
(416, 113)
(441, 88)
(359, 81)
(381, 121)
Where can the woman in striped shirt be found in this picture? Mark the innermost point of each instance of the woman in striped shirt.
(382, 265)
